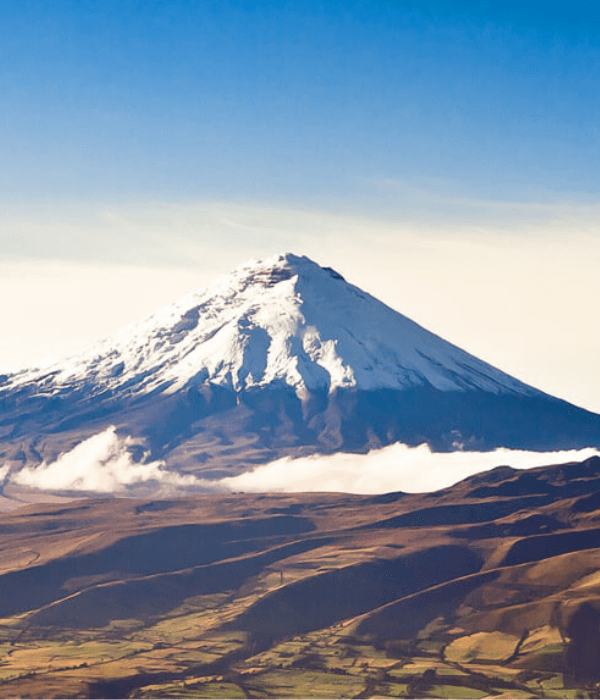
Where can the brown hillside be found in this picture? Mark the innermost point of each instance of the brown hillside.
(488, 588)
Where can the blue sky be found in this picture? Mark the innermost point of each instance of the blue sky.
(444, 155)
(306, 103)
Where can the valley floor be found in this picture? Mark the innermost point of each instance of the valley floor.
(488, 589)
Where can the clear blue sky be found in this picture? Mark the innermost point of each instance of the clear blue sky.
(307, 103)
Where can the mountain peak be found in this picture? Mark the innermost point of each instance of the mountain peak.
(280, 357)
(280, 267)
(284, 320)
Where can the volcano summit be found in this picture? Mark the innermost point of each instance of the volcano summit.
(282, 357)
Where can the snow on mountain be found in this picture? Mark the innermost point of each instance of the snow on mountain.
(282, 358)
(281, 320)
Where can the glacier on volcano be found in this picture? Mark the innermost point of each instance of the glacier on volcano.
(281, 358)
(287, 320)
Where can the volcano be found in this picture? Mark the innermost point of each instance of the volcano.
(281, 357)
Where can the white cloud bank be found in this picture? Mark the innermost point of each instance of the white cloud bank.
(104, 464)
(394, 468)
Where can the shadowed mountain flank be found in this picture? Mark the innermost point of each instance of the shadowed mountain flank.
(158, 551)
(350, 591)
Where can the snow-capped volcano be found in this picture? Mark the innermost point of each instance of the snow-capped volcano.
(280, 357)
(282, 320)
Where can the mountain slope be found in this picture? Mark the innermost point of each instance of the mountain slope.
(284, 320)
(280, 357)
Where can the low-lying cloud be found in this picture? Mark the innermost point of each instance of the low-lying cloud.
(105, 463)
(394, 468)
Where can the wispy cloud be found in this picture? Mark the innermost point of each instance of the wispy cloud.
(104, 464)
(205, 233)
